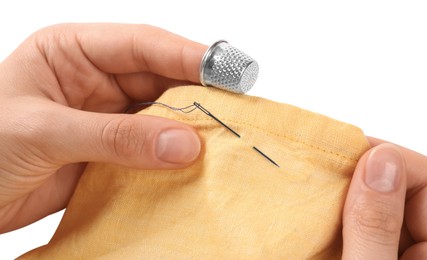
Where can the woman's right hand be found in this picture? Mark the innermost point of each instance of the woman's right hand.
(61, 97)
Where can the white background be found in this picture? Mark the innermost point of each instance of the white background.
(362, 62)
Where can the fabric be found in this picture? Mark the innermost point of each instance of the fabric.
(232, 203)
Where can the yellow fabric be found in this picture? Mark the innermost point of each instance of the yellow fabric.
(232, 203)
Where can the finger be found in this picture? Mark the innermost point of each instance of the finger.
(417, 251)
(135, 141)
(131, 140)
(406, 240)
(416, 198)
(374, 207)
(125, 48)
(145, 86)
(416, 215)
(416, 164)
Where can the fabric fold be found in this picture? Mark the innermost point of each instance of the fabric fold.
(232, 203)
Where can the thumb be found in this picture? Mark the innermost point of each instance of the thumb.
(374, 208)
(132, 140)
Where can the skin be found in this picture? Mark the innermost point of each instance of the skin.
(61, 92)
(388, 224)
(62, 95)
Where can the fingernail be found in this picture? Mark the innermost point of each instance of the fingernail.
(383, 168)
(177, 146)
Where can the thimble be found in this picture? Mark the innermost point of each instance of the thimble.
(226, 67)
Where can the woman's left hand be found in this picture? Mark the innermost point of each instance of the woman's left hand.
(385, 214)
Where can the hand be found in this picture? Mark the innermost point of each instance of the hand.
(385, 214)
(60, 95)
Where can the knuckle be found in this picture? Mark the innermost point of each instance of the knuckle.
(48, 37)
(53, 29)
(124, 137)
(377, 221)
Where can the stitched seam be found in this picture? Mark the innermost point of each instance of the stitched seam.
(281, 136)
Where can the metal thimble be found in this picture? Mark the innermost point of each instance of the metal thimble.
(226, 67)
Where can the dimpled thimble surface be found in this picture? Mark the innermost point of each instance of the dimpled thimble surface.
(226, 67)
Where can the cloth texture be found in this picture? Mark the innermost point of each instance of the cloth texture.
(232, 203)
